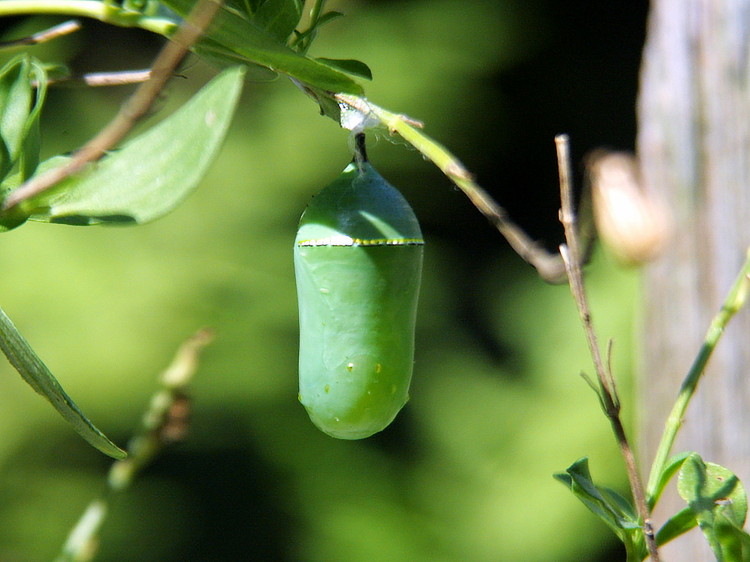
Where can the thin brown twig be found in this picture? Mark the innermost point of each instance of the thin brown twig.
(133, 109)
(571, 253)
(43, 36)
(99, 79)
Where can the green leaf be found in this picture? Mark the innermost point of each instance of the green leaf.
(20, 107)
(279, 17)
(676, 525)
(151, 174)
(38, 376)
(718, 500)
(237, 39)
(31, 146)
(609, 506)
(734, 541)
(350, 66)
(673, 465)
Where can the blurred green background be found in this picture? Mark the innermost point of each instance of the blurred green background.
(465, 472)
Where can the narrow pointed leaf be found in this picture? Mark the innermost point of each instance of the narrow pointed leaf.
(679, 523)
(15, 104)
(605, 503)
(38, 376)
(350, 66)
(20, 107)
(673, 465)
(154, 172)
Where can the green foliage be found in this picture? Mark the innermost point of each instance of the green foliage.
(716, 500)
(681, 522)
(607, 505)
(673, 465)
(719, 504)
(147, 7)
(278, 17)
(150, 175)
(20, 110)
(255, 38)
(137, 184)
(354, 67)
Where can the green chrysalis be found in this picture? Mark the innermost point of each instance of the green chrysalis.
(358, 264)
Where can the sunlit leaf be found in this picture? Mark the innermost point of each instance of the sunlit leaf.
(151, 174)
(609, 506)
(676, 525)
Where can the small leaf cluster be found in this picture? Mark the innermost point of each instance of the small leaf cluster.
(140, 182)
(264, 33)
(716, 503)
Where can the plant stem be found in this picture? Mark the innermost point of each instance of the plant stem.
(607, 389)
(164, 422)
(133, 109)
(735, 300)
(93, 9)
(43, 36)
(549, 266)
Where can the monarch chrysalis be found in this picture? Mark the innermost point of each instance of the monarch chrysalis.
(358, 264)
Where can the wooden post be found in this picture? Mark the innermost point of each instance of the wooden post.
(694, 150)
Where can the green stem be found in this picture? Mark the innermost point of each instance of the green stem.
(735, 300)
(549, 266)
(93, 9)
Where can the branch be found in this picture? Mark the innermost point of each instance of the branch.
(43, 36)
(97, 79)
(549, 266)
(607, 391)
